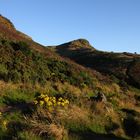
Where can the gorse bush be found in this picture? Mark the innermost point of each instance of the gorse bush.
(3, 71)
(50, 102)
(19, 63)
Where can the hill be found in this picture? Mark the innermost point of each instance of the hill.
(123, 66)
(68, 92)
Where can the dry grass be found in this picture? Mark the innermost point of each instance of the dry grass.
(44, 124)
(74, 115)
(57, 131)
(102, 108)
(5, 85)
(48, 130)
(108, 88)
(39, 128)
(119, 132)
(78, 114)
(128, 101)
(66, 87)
(47, 88)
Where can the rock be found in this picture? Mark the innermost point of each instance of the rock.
(99, 98)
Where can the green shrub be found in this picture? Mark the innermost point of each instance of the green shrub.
(3, 71)
(17, 96)
(97, 128)
(22, 64)
(22, 46)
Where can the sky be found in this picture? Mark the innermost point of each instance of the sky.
(109, 25)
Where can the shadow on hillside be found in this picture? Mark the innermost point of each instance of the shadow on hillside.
(25, 108)
(131, 123)
(92, 136)
(86, 56)
(106, 63)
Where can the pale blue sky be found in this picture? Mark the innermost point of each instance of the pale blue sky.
(109, 25)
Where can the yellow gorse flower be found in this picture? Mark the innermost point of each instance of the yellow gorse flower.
(46, 101)
(42, 96)
(41, 103)
(59, 103)
(49, 103)
(35, 102)
(4, 123)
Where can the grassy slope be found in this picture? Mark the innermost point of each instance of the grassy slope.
(28, 70)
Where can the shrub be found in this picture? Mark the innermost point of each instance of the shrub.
(50, 102)
(22, 64)
(3, 71)
(22, 46)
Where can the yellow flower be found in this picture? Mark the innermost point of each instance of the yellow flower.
(54, 104)
(60, 99)
(49, 103)
(46, 99)
(41, 103)
(4, 123)
(54, 101)
(0, 114)
(63, 104)
(59, 103)
(35, 102)
(66, 101)
(52, 74)
(42, 96)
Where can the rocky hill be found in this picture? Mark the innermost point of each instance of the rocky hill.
(67, 92)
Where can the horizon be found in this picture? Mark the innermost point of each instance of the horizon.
(108, 26)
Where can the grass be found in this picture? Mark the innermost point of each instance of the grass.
(28, 136)
(81, 117)
(17, 96)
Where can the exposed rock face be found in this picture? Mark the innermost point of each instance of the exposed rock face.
(99, 98)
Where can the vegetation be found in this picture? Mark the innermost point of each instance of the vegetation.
(19, 63)
(122, 66)
(46, 96)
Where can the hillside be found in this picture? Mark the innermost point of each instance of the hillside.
(68, 92)
(123, 66)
